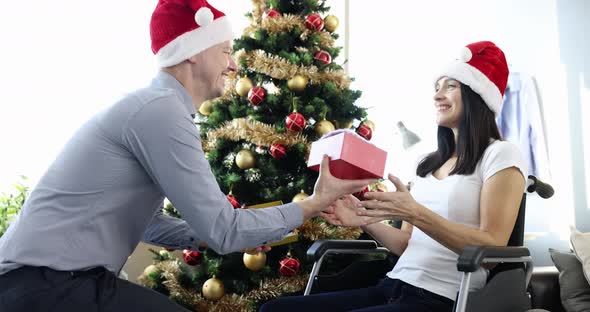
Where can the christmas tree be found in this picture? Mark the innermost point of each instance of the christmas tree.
(286, 94)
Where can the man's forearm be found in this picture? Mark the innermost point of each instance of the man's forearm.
(170, 232)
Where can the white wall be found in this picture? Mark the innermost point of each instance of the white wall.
(61, 62)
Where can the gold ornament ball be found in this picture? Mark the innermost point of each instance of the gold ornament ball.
(324, 127)
(206, 107)
(347, 125)
(245, 159)
(213, 289)
(255, 262)
(378, 187)
(243, 86)
(342, 124)
(164, 254)
(331, 23)
(297, 83)
(299, 197)
(370, 124)
(150, 269)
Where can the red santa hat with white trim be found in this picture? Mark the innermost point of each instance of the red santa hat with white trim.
(180, 29)
(482, 66)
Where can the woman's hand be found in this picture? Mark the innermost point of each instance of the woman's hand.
(398, 205)
(344, 212)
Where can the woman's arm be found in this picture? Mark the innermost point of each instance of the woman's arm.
(396, 240)
(499, 203)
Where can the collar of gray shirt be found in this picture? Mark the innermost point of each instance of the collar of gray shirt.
(166, 80)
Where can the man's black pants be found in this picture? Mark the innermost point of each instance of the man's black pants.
(33, 289)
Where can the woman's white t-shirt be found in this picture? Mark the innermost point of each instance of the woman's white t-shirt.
(426, 263)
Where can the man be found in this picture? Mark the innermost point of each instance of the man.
(104, 191)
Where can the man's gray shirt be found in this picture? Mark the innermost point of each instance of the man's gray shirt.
(104, 191)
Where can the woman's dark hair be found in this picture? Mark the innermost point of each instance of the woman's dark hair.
(476, 127)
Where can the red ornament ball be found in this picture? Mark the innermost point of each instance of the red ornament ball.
(256, 95)
(323, 57)
(271, 13)
(233, 200)
(192, 257)
(278, 151)
(361, 194)
(365, 131)
(289, 266)
(295, 122)
(314, 22)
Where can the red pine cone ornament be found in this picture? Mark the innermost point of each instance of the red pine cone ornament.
(323, 57)
(192, 257)
(289, 266)
(256, 95)
(314, 22)
(233, 200)
(365, 131)
(295, 122)
(278, 151)
(271, 13)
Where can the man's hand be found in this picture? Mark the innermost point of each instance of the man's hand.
(256, 250)
(328, 189)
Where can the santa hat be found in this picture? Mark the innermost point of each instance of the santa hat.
(180, 29)
(482, 66)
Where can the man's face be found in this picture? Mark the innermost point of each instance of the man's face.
(212, 67)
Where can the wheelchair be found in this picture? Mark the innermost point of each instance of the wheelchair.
(507, 283)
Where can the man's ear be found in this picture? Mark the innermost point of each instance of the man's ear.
(193, 59)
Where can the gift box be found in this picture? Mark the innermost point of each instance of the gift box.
(351, 156)
(291, 237)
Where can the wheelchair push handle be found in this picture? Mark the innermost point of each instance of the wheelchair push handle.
(543, 189)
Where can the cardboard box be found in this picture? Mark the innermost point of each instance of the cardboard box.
(287, 239)
(351, 156)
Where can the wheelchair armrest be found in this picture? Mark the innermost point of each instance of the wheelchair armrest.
(320, 247)
(472, 257)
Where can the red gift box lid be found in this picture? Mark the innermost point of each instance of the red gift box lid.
(351, 156)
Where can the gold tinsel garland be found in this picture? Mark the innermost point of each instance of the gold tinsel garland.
(229, 302)
(273, 288)
(258, 11)
(171, 272)
(253, 131)
(279, 68)
(230, 87)
(321, 230)
(282, 23)
(286, 23)
(268, 289)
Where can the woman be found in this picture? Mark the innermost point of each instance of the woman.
(466, 193)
